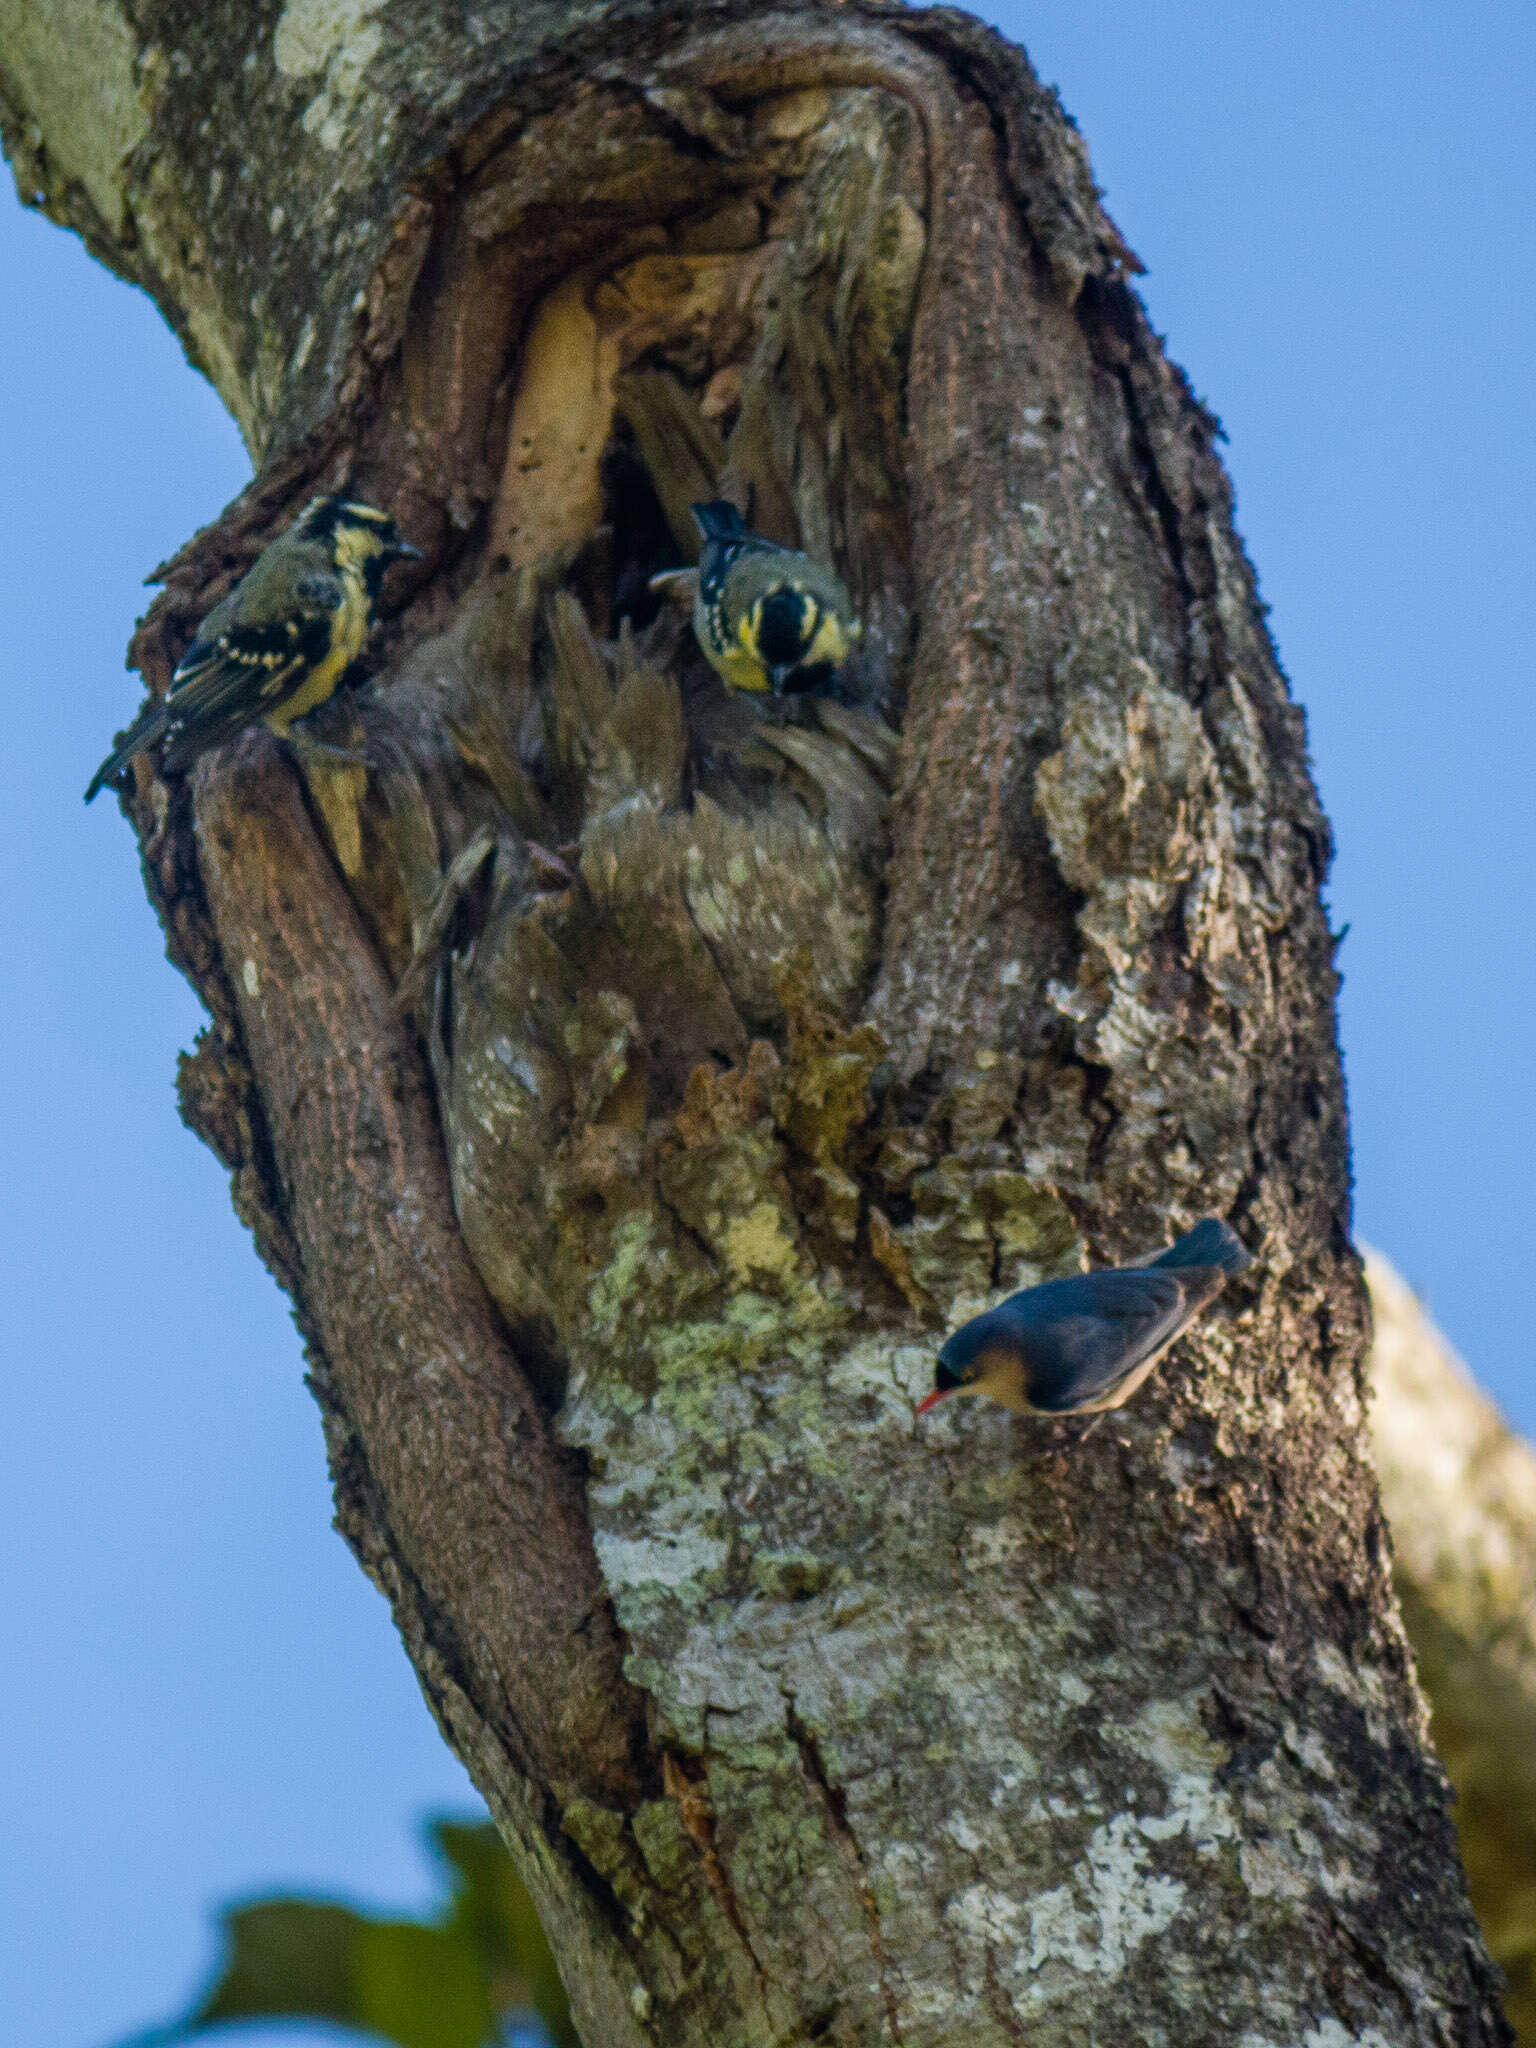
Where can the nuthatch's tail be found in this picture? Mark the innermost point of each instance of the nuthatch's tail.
(1210, 1243)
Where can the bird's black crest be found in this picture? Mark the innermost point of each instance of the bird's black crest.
(719, 520)
(321, 517)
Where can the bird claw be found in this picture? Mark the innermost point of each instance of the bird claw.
(1064, 1442)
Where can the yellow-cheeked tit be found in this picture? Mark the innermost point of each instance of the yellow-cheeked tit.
(768, 617)
(1074, 1346)
(281, 641)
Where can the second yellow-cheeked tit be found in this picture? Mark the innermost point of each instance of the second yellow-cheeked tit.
(1071, 1347)
(281, 641)
(767, 617)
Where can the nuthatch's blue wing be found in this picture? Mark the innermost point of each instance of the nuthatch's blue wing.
(1087, 1343)
(1084, 1341)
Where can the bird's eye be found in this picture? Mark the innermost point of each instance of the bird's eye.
(945, 1377)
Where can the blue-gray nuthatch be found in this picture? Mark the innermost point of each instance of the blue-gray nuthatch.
(1071, 1347)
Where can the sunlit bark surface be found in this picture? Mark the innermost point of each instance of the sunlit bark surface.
(630, 1084)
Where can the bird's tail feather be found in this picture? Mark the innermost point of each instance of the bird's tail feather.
(1210, 1243)
(719, 520)
(143, 732)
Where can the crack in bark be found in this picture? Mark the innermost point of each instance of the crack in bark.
(834, 1803)
(1104, 310)
(1374, 1963)
(997, 1997)
(689, 1232)
(696, 1809)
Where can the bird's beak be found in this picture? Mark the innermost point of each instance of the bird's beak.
(402, 551)
(778, 677)
(931, 1400)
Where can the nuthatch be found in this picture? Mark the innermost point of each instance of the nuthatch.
(768, 617)
(1071, 1347)
(281, 641)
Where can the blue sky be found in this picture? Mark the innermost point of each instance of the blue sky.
(207, 1698)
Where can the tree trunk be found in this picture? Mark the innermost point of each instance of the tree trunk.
(622, 1214)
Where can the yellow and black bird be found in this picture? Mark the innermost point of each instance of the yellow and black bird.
(1072, 1347)
(281, 641)
(768, 617)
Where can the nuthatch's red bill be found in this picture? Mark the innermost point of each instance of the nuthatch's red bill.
(1074, 1346)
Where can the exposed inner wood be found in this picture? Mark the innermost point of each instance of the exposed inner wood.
(751, 345)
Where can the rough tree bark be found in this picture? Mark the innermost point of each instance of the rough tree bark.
(621, 1216)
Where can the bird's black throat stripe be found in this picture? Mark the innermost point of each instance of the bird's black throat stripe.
(787, 626)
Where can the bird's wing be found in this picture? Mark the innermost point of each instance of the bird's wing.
(243, 664)
(1111, 1322)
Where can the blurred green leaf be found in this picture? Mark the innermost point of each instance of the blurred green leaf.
(285, 1956)
(450, 1981)
(421, 1986)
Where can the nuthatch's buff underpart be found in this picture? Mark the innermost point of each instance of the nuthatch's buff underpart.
(1074, 1346)
(767, 617)
(281, 641)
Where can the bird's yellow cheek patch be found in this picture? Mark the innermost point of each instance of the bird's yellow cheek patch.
(355, 545)
(828, 644)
